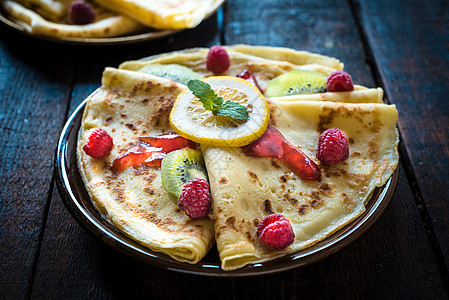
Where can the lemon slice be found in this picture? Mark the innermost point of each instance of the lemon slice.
(191, 120)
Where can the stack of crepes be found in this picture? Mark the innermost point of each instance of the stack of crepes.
(244, 189)
(113, 17)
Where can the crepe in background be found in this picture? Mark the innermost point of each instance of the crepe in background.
(50, 18)
(246, 189)
(164, 14)
(130, 105)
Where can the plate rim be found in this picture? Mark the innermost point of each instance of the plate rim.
(336, 242)
(106, 41)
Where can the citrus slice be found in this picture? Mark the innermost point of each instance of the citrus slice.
(191, 120)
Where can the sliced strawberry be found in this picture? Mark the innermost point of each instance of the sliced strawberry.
(169, 142)
(249, 76)
(273, 144)
(150, 150)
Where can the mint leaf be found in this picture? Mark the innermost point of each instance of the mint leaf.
(215, 104)
(234, 110)
(203, 92)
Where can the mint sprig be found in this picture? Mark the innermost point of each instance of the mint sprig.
(215, 104)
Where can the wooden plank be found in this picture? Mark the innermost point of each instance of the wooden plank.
(413, 61)
(384, 262)
(324, 27)
(34, 89)
(74, 264)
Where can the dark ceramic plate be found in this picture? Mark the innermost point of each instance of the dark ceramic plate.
(142, 35)
(77, 201)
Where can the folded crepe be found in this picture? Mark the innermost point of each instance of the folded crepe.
(130, 105)
(266, 63)
(49, 9)
(246, 189)
(50, 18)
(164, 14)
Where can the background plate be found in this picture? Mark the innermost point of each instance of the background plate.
(143, 35)
(77, 200)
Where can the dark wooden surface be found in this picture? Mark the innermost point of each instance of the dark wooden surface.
(402, 46)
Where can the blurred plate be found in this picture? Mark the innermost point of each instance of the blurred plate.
(139, 36)
(78, 202)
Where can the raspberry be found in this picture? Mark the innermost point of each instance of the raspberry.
(195, 198)
(217, 60)
(81, 13)
(99, 144)
(276, 232)
(332, 146)
(339, 81)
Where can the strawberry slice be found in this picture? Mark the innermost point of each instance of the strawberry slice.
(169, 142)
(272, 144)
(150, 150)
(249, 76)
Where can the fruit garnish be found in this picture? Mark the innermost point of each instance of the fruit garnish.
(173, 72)
(99, 144)
(339, 81)
(150, 151)
(194, 118)
(332, 146)
(273, 144)
(195, 198)
(249, 76)
(216, 104)
(217, 60)
(81, 13)
(296, 82)
(180, 166)
(168, 142)
(276, 232)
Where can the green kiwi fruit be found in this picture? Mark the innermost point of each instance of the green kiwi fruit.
(173, 72)
(180, 166)
(296, 82)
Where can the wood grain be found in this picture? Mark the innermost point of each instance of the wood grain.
(329, 27)
(412, 56)
(34, 89)
(44, 253)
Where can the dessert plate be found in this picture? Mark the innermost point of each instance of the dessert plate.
(143, 35)
(78, 202)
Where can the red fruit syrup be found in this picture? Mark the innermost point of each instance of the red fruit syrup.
(272, 144)
(249, 76)
(150, 150)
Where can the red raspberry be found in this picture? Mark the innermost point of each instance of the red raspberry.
(195, 198)
(332, 146)
(99, 144)
(339, 81)
(217, 60)
(81, 13)
(276, 232)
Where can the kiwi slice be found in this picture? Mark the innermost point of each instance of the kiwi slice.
(180, 166)
(296, 82)
(173, 72)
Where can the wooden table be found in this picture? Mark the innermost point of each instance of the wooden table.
(402, 46)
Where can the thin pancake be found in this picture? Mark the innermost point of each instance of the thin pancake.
(130, 105)
(106, 24)
(163, 14)
(49, 9)
(246, 189)
(265, 67)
